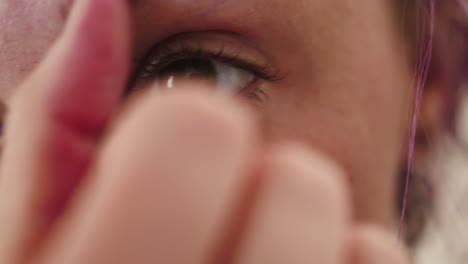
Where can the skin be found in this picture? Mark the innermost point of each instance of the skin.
(332, 86)
(83, 200)
(28, 30)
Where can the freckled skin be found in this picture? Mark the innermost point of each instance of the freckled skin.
(27, 30)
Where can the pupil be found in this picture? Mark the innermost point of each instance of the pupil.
(190, 68)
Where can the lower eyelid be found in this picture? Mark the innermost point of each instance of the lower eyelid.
(252, 87)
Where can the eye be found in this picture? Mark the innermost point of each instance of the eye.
(218, 59)
(223, 76)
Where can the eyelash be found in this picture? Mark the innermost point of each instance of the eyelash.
(167, 56)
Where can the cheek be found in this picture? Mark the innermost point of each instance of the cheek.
(347, 93)
(359, 122)
(27, 30)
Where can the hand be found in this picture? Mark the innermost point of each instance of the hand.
(174, 178)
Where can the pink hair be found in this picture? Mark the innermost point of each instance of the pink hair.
(422, 69)
(426, 16)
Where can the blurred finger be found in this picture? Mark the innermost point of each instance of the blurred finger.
(164, 186)
(301, 214)
(55, 120)
(369, 245)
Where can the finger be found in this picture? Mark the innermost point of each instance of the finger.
(55, 120)
(164, 185)
(301, 213)
(370, 245)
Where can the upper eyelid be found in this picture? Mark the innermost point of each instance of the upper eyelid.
(169, 55)
(225, 41)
